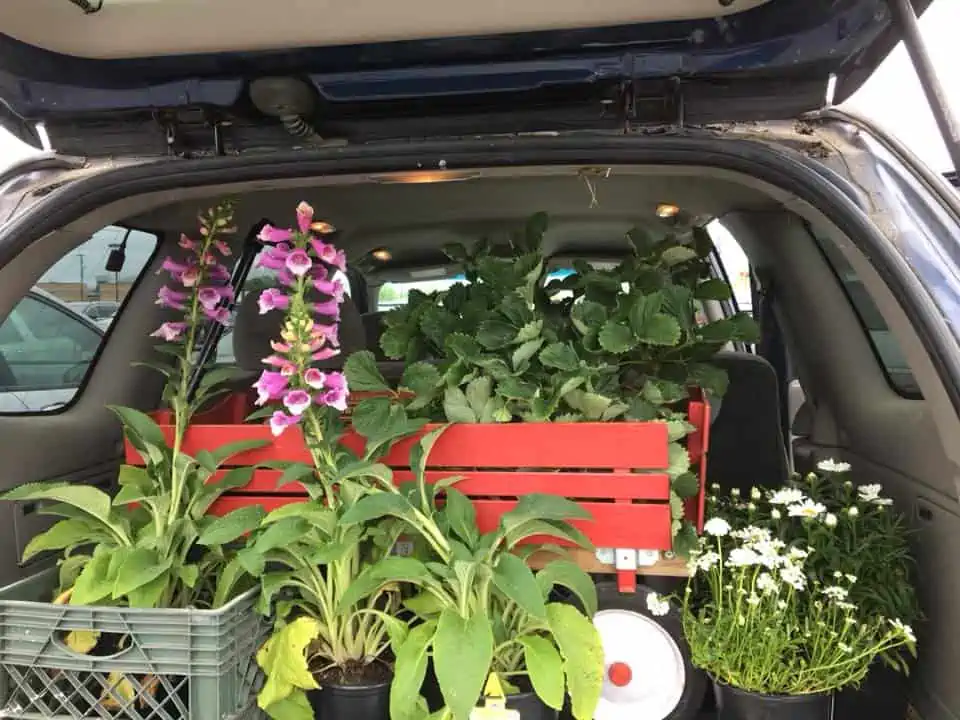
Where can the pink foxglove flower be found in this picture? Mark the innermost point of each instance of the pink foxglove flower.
(325, 354)
(273, 235)
(304, 216)
(280, 421)
(335, 391)
(270, 386)
(272, 299)
(329, 308)
(190, 277)
(169, 298)
(298, 262)
(170, 331)
(331, 288)
(186, 243)
(223, 248)
(296, 401)
(314, 378)
(220, 315)
(209, 297)
(176, 269)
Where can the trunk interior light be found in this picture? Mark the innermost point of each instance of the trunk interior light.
(381, 255)
(424, 177)
(665, 211)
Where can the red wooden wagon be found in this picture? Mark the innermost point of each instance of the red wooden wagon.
(616, 470)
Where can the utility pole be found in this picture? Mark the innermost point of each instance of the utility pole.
(83, 286)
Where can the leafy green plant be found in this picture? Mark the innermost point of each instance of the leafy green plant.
(480, 608)
(145, 550)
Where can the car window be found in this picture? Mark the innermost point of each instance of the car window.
(394, 294)
(885, 346)
(47, 343)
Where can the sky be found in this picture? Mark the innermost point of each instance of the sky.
(892, 97)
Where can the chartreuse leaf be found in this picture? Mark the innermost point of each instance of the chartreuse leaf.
(94, 582)
(540, 506)
(284, 661)
(140, 567)
(582, 653)
(461, 516)
(363, 374)
(571, 576)
(393, 568)
(410, 669)
(545, 668)
(64, 534)
(516, 581)
(231, 526)
(87, 499)
(462, 653)
(141, 428)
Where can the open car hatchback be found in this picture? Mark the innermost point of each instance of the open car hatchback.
(410, 126)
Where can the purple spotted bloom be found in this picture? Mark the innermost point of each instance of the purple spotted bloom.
(335, 391)
(298, 262)
(272, 299)
(270, 386)
(280, 421)
(170, 331)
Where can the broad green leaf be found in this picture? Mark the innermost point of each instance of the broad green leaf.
(228, 581)
(615, 337)
(218, 376)
(478, 393)
(295, 706)
(424, 604)
(270, 584)
(318, 515)
(463, 346)
(642, 309)
(141, 428)
(295, 472)
(516, 581)
(138, 477)
(461, 516)
(550, 528)
(640, 410)
(85, 498)
(526, 351)
(569, 575)
(93, 583)
(676, 255)
(231, 526)
(421, 378)
(529, 331)
(363, 374)
(139, 567)
(232, 479)
(592, 405)
(280, 534)
(712, 289)
(514, 389)
(719, 331)
(588, 316)
(709, 378)
(686, 485)
(150, 595)
(456, 407)
(745, 328)
(228, 450)
(376, 506)
(582, 653)
(539, 506)
(495, 334)
(545, 668)
(561, 356)
(662, 330)
(410, 669)
(189, 574)
(130, 494)
(679, 460)
(284, 661)
(391, 569)
(462, 653)
(64, 534)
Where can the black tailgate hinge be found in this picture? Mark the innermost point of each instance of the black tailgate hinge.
(191, 132)
(652, 106)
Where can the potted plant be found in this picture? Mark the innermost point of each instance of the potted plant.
(326, 654)
(478, 608)
(600, 345)
(141, 548)
(860, 535)
(775, 625)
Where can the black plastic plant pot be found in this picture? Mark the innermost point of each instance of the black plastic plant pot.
(883, 695)
(737, 704)
(526, 703)
(349, 702)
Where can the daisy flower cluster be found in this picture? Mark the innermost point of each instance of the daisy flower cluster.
(310, 298)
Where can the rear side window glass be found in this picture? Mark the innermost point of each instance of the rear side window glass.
(51, 338)
(885, 346)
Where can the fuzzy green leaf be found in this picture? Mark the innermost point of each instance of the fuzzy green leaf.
(545, 668)
(569, 575)
(65, 534)
(94, 582)
(456, 407)
(582, 653)
(516, 581)
(495, 334)
(231, 526)
(462, 653)
(363, 374)
(712, 289)
(420, 378)
(87, 499)
(139, 567)
(662, 330)
(561, 356)
(461, 516)
(410, 669)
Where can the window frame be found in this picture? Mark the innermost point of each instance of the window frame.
(160, 238)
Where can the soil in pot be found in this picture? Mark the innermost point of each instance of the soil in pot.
(737, 704)
(525, 702)
(883, 695)
(361, 691)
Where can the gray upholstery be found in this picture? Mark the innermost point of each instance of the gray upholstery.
(253, 332)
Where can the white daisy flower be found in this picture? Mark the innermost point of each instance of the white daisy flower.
(906, 630)
(706, 561)
(735, 492)
(775, 514)
(835, 592)
(766, 584)
(832, 466)
(754, 599)
(853, 511)
(850, 578)
(807, 509)
(751, 534)
(830, 520)
(844, 605)
(794, 577)
(657, 606)
(755, 493)
(718, 527)
(837, 574)
(741, 557)
(787, 496)
(796, 554)
(869, 493)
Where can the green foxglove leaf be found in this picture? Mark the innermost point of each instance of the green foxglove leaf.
(420, 378)
(376, 506)
(516, 581)
(461, 516)
(456, 407)
(561, 356)
(231, 526)
(284, 661)
(582, 653)
(94, 582)
(363, 374)
(189, 574)
(538, 506)
(569, 575)
(391, 569)
(139, 567)
(615, 337)
(495, 334)
(662, 330)
(66, 534)
(545, 668)
(142, 430)
(410, 669)
(138, 477)
(87, 499)
(462, 653)
(227, 583)
(230, 450)
(550, 528)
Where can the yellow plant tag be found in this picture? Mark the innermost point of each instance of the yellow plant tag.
(494, 703)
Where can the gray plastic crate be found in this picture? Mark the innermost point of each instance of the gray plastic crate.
(181, 664)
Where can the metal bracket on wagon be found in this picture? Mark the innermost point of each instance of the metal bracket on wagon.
(627, 561)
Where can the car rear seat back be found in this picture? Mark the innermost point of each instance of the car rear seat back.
(253, 332)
